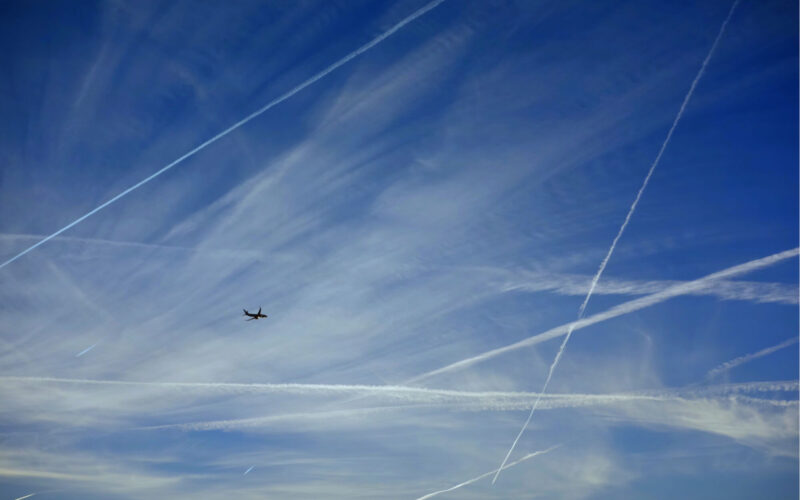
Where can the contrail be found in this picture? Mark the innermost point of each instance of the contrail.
(470, 481)
(375, 41)
(619, 234)
(85, 350)
(571, 284)
(248, 470)
(749, 357)
(406, 394)
(26, 496)
(731, 392)
(619, 310)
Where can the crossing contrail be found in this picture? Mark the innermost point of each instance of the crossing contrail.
(619, 310)
(375, 41)
(619, 233)
(470, 481)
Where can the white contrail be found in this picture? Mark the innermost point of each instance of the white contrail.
(571, 284)
(619, 310)
(470, 481)
(26, 496)
(85, 350)
(749, 357)
(406, 394)
(248, 470)
(619, 233)
(241, 122)
(518, 401)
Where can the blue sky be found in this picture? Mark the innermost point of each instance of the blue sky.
(421, 224)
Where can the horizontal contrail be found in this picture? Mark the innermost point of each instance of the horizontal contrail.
(85, 351)
(631, 211)
(413, 397)
(271, 104)
(624, 308)
(133, 244)
(26, 496)
(749, 357)
(557, 403)
(470, 481)
(418, 394)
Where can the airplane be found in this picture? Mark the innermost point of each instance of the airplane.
(254, 315)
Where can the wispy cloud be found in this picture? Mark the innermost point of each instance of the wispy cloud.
(571, 284)
(375, 41)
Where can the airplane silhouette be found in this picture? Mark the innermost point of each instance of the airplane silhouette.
(254, 316)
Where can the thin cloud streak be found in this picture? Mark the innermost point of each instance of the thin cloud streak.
(85, 351)
(728, 365)
(619, 310)
(248, 470)
(470, 481)
(421, 11)
(618, 236)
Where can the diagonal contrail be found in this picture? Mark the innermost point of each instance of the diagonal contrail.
(619, 233)
(375, 41)
(85, 350)
(470, 481)
(619, 310)
(749, 357)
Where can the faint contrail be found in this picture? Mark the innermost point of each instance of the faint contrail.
(619, 234)
(470, 481)
(619, 310)
(241, 122)
(248, 470)
(85, 350)
(749, 357)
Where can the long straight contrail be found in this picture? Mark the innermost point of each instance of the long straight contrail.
(375, 41)
(619, 310)
(749, 357)
(470, 481)
(619, 233)
(729, 392)
(407, 394)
